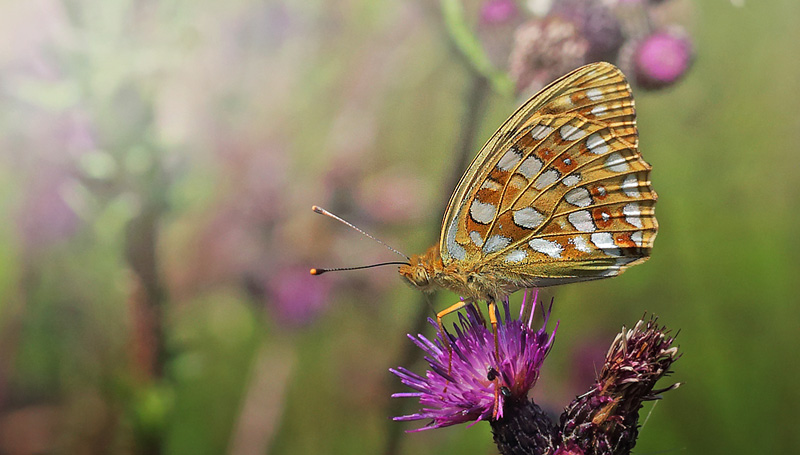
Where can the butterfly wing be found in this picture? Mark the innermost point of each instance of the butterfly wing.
(560, 192)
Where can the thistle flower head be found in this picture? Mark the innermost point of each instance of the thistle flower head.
(605, 419)
(470, 380)
(597, 23)
(662, 58)
(545, 49)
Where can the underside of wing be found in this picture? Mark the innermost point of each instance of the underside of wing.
(560, 192)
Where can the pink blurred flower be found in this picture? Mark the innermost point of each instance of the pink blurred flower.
(295, 298)
(497, 11)
(394, 197)
(45, 218)
(662, 58)
(586, 360)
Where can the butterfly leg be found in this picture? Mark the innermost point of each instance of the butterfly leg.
(451, 309)
(493, 320)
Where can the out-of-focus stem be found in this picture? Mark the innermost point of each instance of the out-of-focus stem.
(149, 297)
(470, 48)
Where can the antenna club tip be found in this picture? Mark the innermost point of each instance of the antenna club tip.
(316, 272)
(316, 208)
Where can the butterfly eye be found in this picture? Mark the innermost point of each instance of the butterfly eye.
(418, 277)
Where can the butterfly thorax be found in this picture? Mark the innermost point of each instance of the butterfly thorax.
(428, 272)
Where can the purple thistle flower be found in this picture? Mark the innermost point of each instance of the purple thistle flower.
(469, 383)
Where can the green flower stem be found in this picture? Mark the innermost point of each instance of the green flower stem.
(470, 47)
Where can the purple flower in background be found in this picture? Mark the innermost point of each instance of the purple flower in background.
(661, 59)
(471, 383)
(497, 20)
(585, 360)
(597, 23)
(45, 218)
(393, 196)
(545, 49)
(296, 298)
(497, 11)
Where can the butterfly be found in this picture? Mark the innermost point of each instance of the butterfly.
(558, 194)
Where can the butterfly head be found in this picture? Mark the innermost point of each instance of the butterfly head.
(421, 269)
(427, 272)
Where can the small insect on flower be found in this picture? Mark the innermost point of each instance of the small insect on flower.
(478, 381)
(559, 194)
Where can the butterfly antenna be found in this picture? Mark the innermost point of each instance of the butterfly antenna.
(339, 269)
(322, 211)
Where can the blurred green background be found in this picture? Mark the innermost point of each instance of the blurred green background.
(158, 161)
